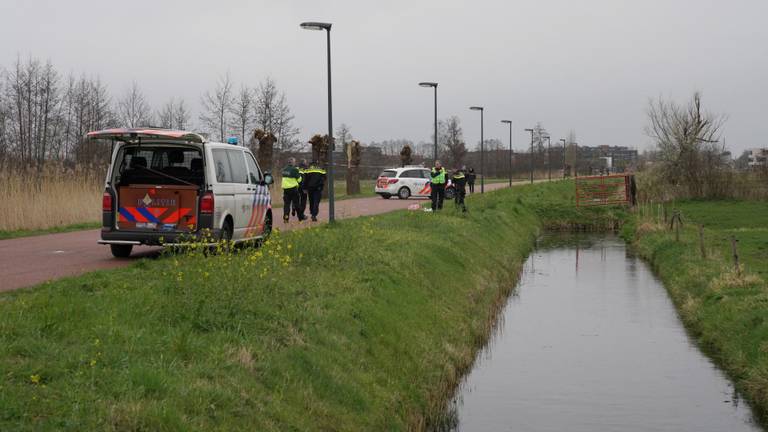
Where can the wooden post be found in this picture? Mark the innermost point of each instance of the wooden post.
(677, 230)
(735, 250)
(701, 241)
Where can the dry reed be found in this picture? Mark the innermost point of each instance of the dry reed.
(56, 196)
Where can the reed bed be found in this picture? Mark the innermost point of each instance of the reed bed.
(52, 197)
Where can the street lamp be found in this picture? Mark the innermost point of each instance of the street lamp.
(531, 131)
(433, 84)
(575, 159)
(509, 122)
(482, 153)
(331, 142)
(563, 141)
(549, 158)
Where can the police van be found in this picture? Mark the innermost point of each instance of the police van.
(165, 187)
(406, 182)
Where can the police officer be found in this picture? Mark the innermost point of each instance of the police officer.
(302, 191)
(459, 181)
(291, 198)
(437, 176)
(314, 180)
(471, 180)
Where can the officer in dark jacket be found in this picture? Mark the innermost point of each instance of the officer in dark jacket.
(459, 181)
(314, 180)
(303, 166)
(471, 180)
(290, 184)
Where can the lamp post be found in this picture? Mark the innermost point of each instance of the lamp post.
(434, 85)
(563, 141)
(549, 158)
(531, 131)
(482, 153)
(575, 159)
(331, 142)
(509, 122)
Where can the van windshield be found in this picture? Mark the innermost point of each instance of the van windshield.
(148, 164)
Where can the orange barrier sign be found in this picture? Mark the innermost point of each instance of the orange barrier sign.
(602, 190)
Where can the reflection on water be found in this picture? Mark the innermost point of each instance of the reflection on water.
(591, 342)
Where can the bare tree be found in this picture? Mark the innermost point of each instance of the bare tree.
(452, 137)
(687, 140)
(343, 136)
(273, 115)
(181, 117)
(165, 116)
(217, 107)
(133, 110)
(242, 113)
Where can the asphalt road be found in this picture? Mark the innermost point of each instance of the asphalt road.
(29, 261)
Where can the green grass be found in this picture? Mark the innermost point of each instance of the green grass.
(364, 325)
(725, 312)
(4, 235)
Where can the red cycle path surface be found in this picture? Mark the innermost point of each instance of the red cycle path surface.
(29, 261)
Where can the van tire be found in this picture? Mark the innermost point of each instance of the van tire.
(121, 250)
(403, 193)
(267, 226)
(227, 231)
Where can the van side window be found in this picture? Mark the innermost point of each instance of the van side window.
(221, 164)
(237, 163)
(253, 169)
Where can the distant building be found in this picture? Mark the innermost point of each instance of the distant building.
(612, 158)
(757, 157)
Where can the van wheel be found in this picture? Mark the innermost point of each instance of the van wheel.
(267, 226)
(226, 231)
(121, 250)
(404, 193)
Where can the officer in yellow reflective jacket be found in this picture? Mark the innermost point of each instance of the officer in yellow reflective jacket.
(314, 180)
(291, 197)
(437, 180)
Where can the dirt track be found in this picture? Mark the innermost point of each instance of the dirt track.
(30, 261)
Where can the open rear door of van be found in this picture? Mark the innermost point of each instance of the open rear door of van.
(154, 135)
(171, 208)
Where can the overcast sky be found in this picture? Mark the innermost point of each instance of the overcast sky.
(586, 65)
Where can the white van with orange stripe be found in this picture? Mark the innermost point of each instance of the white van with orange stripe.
(167, 187)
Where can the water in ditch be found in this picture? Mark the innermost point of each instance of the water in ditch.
(590, 341)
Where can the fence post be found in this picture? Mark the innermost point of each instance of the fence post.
(701, 241)
(735, 250)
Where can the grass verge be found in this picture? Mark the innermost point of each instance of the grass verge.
(725, 310)
(5, 235)
(364, 325)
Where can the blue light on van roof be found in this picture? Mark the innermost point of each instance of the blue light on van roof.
(232, 140)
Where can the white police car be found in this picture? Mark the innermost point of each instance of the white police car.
(406, 182)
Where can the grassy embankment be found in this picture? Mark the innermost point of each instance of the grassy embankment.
(365, 325)
(726, 313)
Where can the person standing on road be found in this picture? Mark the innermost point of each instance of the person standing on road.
(290, 184)
(471, 180)
(437, 176)
(459, 180)
(302, 191)
(314, 180)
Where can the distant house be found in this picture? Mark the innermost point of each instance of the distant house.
(757, 157)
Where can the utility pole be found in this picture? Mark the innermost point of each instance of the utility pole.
(531, 131)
